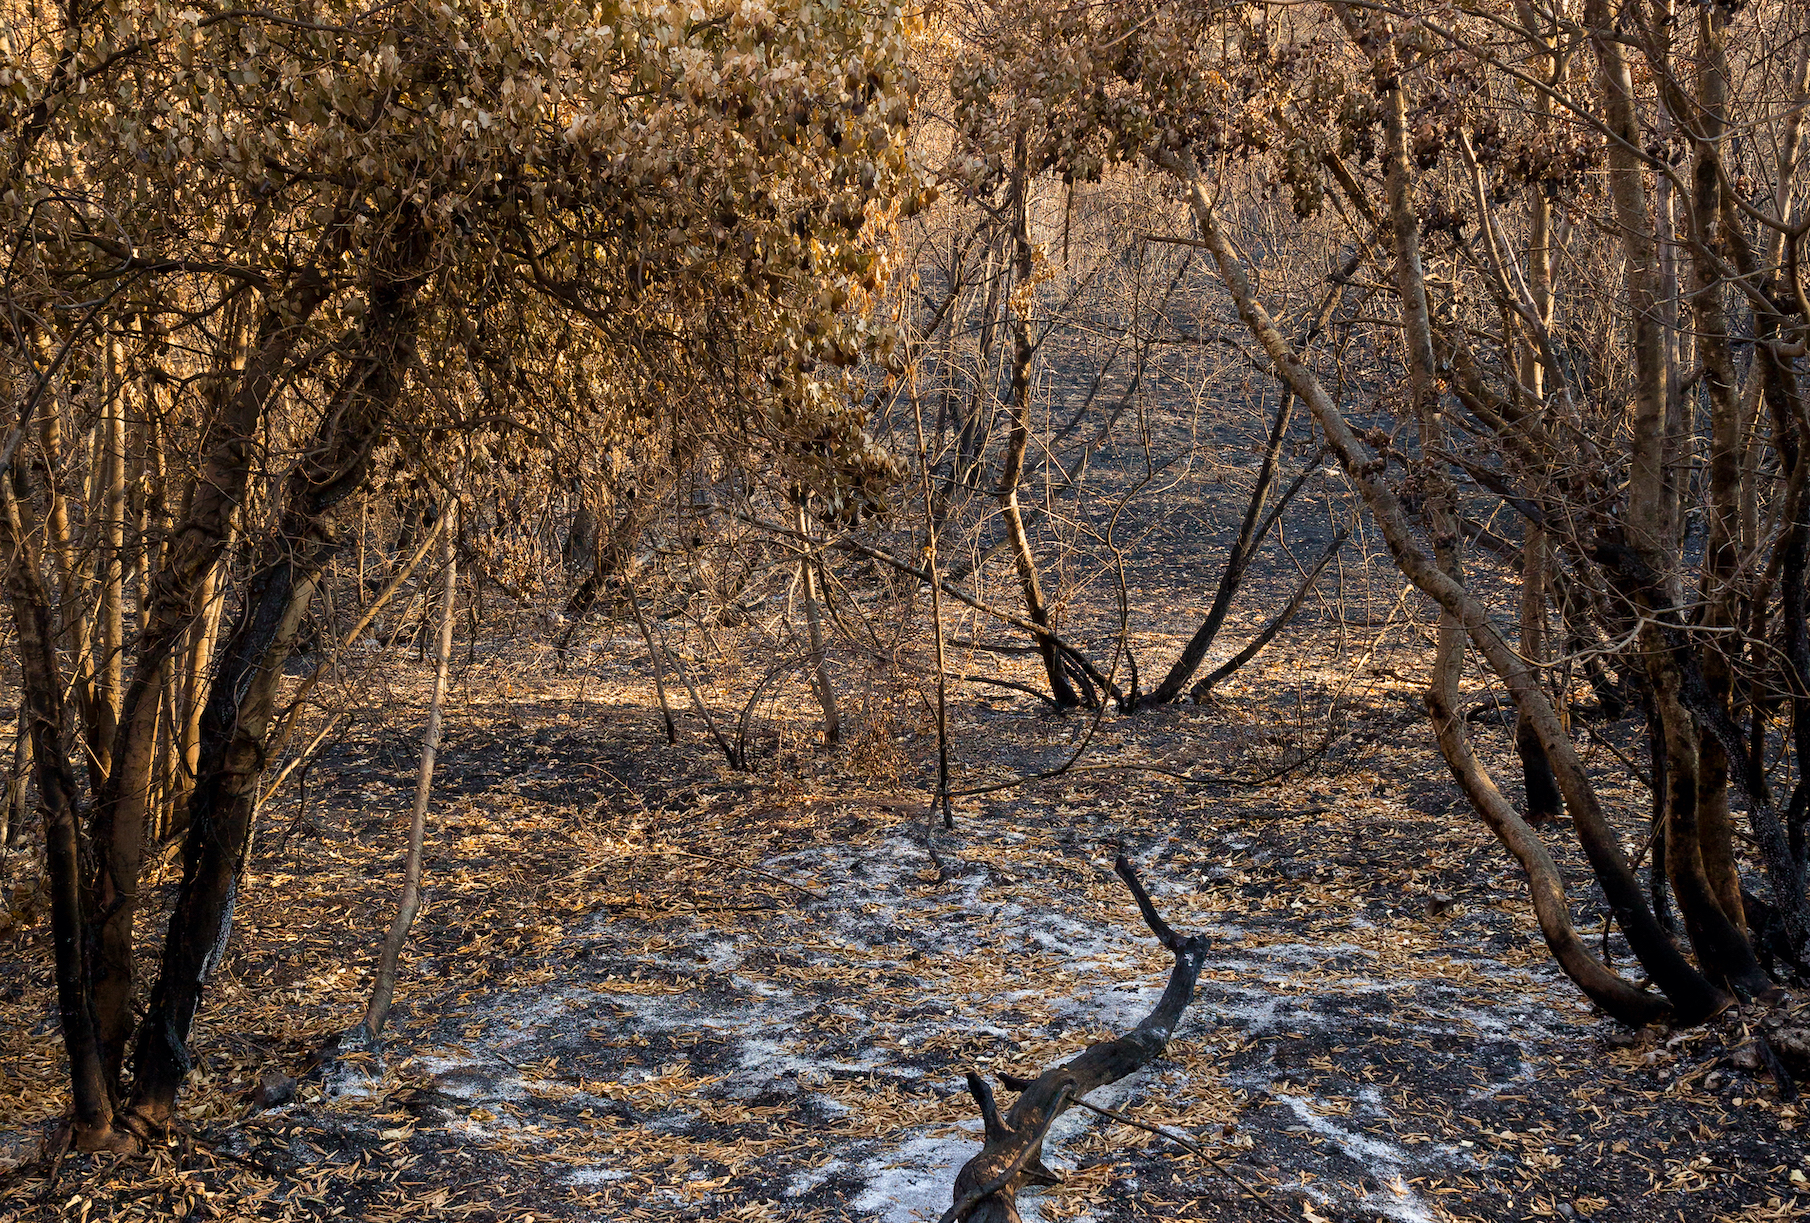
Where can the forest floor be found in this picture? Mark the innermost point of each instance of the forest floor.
(648, 986)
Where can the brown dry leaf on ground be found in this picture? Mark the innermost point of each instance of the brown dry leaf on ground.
(647, 987)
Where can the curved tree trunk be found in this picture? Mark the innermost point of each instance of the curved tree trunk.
(1693, 996)
(986, 1187)
(242, 701)
(1602, 985)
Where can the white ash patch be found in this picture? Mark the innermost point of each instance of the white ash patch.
(1384, 1162)
(1095, 970)
(911, 1182)
(596, 1176)
(801, 1183)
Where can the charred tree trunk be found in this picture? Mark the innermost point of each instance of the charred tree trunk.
(1237, 562)
(1254, 528)
(242, 701)
(46, 721)
(1699, 865)
(1544, 803)
(1012, 472)
(1720, 942)
(1720, 611)
(1602, 985)
(986, 1187)
(1277, 623)
(18, 784)
(178, 594)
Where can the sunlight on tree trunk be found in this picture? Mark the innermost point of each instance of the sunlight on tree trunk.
(377, 1011)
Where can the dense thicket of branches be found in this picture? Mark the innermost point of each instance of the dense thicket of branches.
(659, 296)
(1578, 234)
(265, 268)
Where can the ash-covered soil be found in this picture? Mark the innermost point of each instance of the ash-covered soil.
(649, 987)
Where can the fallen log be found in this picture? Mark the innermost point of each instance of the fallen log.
(986, 1187)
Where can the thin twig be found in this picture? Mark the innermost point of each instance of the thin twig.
(1193, 1146)
(740, 866)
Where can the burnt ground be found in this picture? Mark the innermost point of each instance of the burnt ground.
(595, 1026)
(647, 986)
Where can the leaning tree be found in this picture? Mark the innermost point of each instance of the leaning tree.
(262, 262)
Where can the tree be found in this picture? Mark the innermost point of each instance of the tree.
(1454, 153)
(279, 260)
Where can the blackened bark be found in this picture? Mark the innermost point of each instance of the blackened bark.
(178, 594)
(1656, 868)
(1727, 456)
(221, 808)
(1019, 442)
(1238, 560)
(45, 721)
(987, 1185)
(17, 783)
(240, 705)
(1546, 886)
(1544, 801)
(1277, 623)
(1723, 951)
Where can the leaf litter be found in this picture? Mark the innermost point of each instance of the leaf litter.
(621, 1002)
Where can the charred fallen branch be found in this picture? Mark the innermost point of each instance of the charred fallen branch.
(987, 1186)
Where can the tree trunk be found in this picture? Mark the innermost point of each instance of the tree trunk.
(1721, 945)
(1620, 998)
(18, 783)
(1019, 442)
(1726, 458)
(377, 1011)
(240, 706)
(196, 662)
(220, 824)
(1544, 801)
(821, 682)
(45, 719)
(1237, 562)
(110, 562)
(1277, 623)
(194, 550)
(987, 1185)
(1693, 995)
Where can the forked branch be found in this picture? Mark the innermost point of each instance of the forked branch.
(987, 1185)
